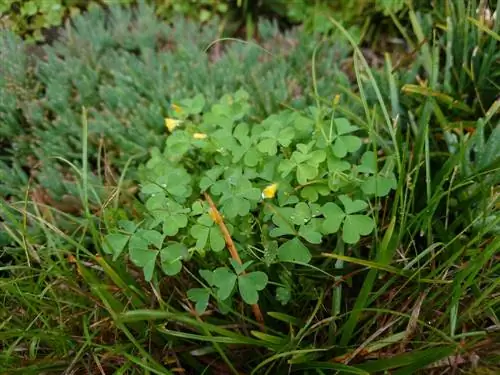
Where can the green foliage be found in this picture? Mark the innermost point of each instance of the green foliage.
(414, 168)
(233, 161)
(30, 18)
(128, 69)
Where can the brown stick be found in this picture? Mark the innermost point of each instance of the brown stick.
(230, 246)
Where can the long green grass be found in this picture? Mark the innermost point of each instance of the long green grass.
(421, 296)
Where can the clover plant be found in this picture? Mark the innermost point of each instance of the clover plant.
(285, 187)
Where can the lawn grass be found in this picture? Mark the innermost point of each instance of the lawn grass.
(420, 295)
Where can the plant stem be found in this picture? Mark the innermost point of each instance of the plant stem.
(231, 247)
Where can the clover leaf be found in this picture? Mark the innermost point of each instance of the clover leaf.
(277, 135)
(286, 218)
(343, 142)
(354, 225)
(313, 191)
(224, 280)
(237, 195)
(176, 182)
(378, 183)
(250, 284)
(177, 145)
(114, 243)
(171, 257)
(192, 106)
(211, 176)
(206, 231)
(144, 247)
(244, 148)
(201, 297)
(171, 214)
(294, 251)
(304, 161)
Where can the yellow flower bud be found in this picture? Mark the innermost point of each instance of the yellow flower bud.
(336, 100)
(199, 136)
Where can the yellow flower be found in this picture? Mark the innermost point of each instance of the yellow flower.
(176, 108)
(269, 191)
(171, 123)
(199, 136)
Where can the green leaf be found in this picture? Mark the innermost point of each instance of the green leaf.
(171, 257)
(193, 106)
(333, 218)
(172, 225)
(356, 225)
(342, 142)
(301, 213)
(268, 146)
(217, 241)
(286, 136)
(283, 295)
(352, 206)
(310, 234)
(127, 226)
(224, 279)
(208, 276)
(344, 126)
(200, 233)
(339, 148)
(305, 173)
(379, 186)
(312, 192)
(294, 251)
(240, 268)
(351, 142)
(368, 163)
(152, 237)
(250, 284)
(200, 296)
(252, 157)
(280, 219)
(141, 255)
(235, 206)
(29, 8)
(114, 244)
